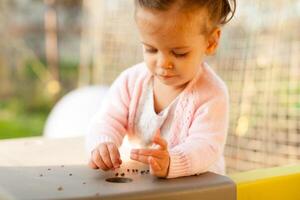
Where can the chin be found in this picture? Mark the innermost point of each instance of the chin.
(173, 82)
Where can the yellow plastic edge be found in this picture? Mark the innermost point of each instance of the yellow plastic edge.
(279, 183)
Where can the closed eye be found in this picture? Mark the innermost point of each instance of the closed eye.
(180, 54)
(151, 50)
(176, 54)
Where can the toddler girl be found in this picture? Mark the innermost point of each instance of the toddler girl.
(173, 99)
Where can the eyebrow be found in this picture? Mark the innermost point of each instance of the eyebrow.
(179, 47)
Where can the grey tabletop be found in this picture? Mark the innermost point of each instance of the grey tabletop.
(79, 182)
(74, 180)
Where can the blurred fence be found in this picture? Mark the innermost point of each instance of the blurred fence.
(261, 66)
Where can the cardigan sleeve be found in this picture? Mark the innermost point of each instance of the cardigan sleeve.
(110, 123)
(205, 139)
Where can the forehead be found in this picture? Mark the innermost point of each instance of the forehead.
(171, 23)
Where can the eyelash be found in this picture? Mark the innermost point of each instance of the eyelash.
(175, 54)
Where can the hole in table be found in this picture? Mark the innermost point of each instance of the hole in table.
(119, 180)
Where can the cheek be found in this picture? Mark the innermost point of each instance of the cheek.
(188, 67)
(187, 71)
(150, 61)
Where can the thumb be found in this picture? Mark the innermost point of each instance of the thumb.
(92, 164)
(157, 134)
(159, 142)
(156, 137)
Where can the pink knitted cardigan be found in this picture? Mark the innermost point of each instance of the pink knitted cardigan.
(198, 133)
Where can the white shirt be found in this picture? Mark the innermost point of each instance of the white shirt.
(147, 121)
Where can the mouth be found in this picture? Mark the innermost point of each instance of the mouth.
(165, 73)
(166, 77)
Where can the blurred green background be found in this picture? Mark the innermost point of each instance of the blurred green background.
(23, 112)
(30, 82)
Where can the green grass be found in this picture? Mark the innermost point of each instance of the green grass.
(23, 111)
(18, 118)
(22, 126)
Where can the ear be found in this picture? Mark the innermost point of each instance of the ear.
(213, 41)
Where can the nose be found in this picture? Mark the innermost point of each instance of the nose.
(163, 61)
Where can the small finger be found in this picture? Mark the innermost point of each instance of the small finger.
(92, 165)
(139, 158)
(149, 152)
(161, 142)
(154, 164)
(114, 155)
(157, 133)
(157, 139)
(98, 160)
(105, 155)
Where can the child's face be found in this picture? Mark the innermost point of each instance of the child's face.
(174, 44)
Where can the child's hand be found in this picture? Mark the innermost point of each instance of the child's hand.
(105, 156)
(158, 159)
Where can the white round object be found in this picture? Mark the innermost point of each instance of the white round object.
(71, 115)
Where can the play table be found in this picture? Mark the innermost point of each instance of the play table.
(39, 168)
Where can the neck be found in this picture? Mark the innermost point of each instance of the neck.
(179, 88)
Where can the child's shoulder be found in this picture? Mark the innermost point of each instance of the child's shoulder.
(210, 84)
(214, 79)
(133, 76)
